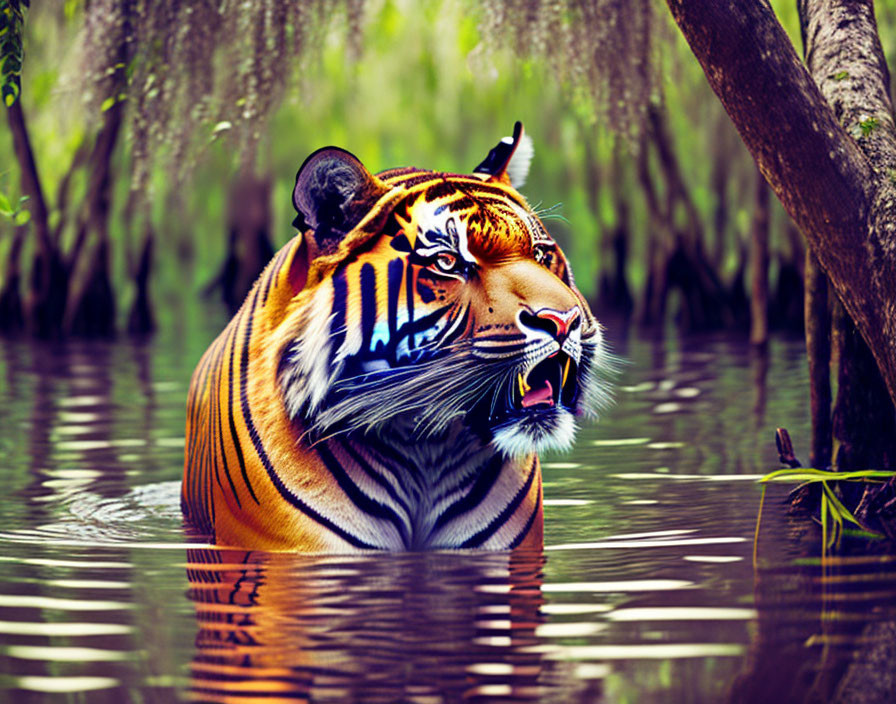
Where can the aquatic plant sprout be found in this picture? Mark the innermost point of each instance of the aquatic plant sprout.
(834, 515)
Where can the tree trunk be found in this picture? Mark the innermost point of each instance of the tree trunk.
(614, 288)
(841, 198)
(759, 266)
(864, 418)
(864, 424)
(787, 309)
(49, 284)
(141, 320)
(818, 351)
(653, 307)
(249, 245)
(12, 319)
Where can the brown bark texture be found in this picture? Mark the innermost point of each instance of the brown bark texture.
(843, 200)
(818, 350)
(864, 424)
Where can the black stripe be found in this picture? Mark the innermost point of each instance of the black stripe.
(217, 412)
(368, 305)
(459, 460)
(201, 376)
(338, 321)
(409, 296)
(214, 410)
(370, 506)
(411, 328)
(477, 539)
(198, 466)
(459, 486)
(469, 187)
(287, 495)
(484, 482)
(388, 456)
(244, 368)
(235, 438)
(200, 451)
(459, 329)
(375, 476)
(526, 528)
(513, 337)
(395, 273)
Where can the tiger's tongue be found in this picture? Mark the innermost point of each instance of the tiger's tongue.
(543, 395)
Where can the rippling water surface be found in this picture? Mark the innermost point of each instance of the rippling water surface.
(645, 591)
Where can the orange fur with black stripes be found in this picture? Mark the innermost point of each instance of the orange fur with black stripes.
(396, 368)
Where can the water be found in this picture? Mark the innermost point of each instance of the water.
(644, 593)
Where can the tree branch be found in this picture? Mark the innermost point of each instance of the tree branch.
(829, 187)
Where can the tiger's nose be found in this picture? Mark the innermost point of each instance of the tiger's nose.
(557, 324)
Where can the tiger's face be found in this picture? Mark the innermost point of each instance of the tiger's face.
(447, 304)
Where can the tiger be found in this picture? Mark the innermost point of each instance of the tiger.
(396, 369)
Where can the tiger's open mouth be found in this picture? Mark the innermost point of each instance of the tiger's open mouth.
(551, 382)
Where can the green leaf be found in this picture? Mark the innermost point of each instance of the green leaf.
(839, 511)
(840, 75)
(868, 125)
(5, 205)
(107, 103)
(22, 217)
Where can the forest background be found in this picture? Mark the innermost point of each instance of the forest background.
(164, 139)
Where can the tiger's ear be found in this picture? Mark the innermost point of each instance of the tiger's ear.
(510, 159)
(333, 193)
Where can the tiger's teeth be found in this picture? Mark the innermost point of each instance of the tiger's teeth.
(524, 387)
(565, 372)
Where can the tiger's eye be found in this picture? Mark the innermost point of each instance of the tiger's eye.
(446, 262)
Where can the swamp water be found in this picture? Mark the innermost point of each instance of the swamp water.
(644, 593)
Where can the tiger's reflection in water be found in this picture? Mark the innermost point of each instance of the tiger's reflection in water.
(401, 627)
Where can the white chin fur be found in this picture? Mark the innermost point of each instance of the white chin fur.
(527, 435)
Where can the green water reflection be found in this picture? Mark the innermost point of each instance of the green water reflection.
(645, 591)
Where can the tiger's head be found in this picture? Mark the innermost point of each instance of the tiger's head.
(437, 299)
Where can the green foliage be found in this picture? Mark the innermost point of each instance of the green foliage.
(17, 214)
(840, 75)
(396, 82)
(868, 125)
(12, 22)
(833, 514)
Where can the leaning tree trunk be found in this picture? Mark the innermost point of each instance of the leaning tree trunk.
(840, 195)
(841, 37)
